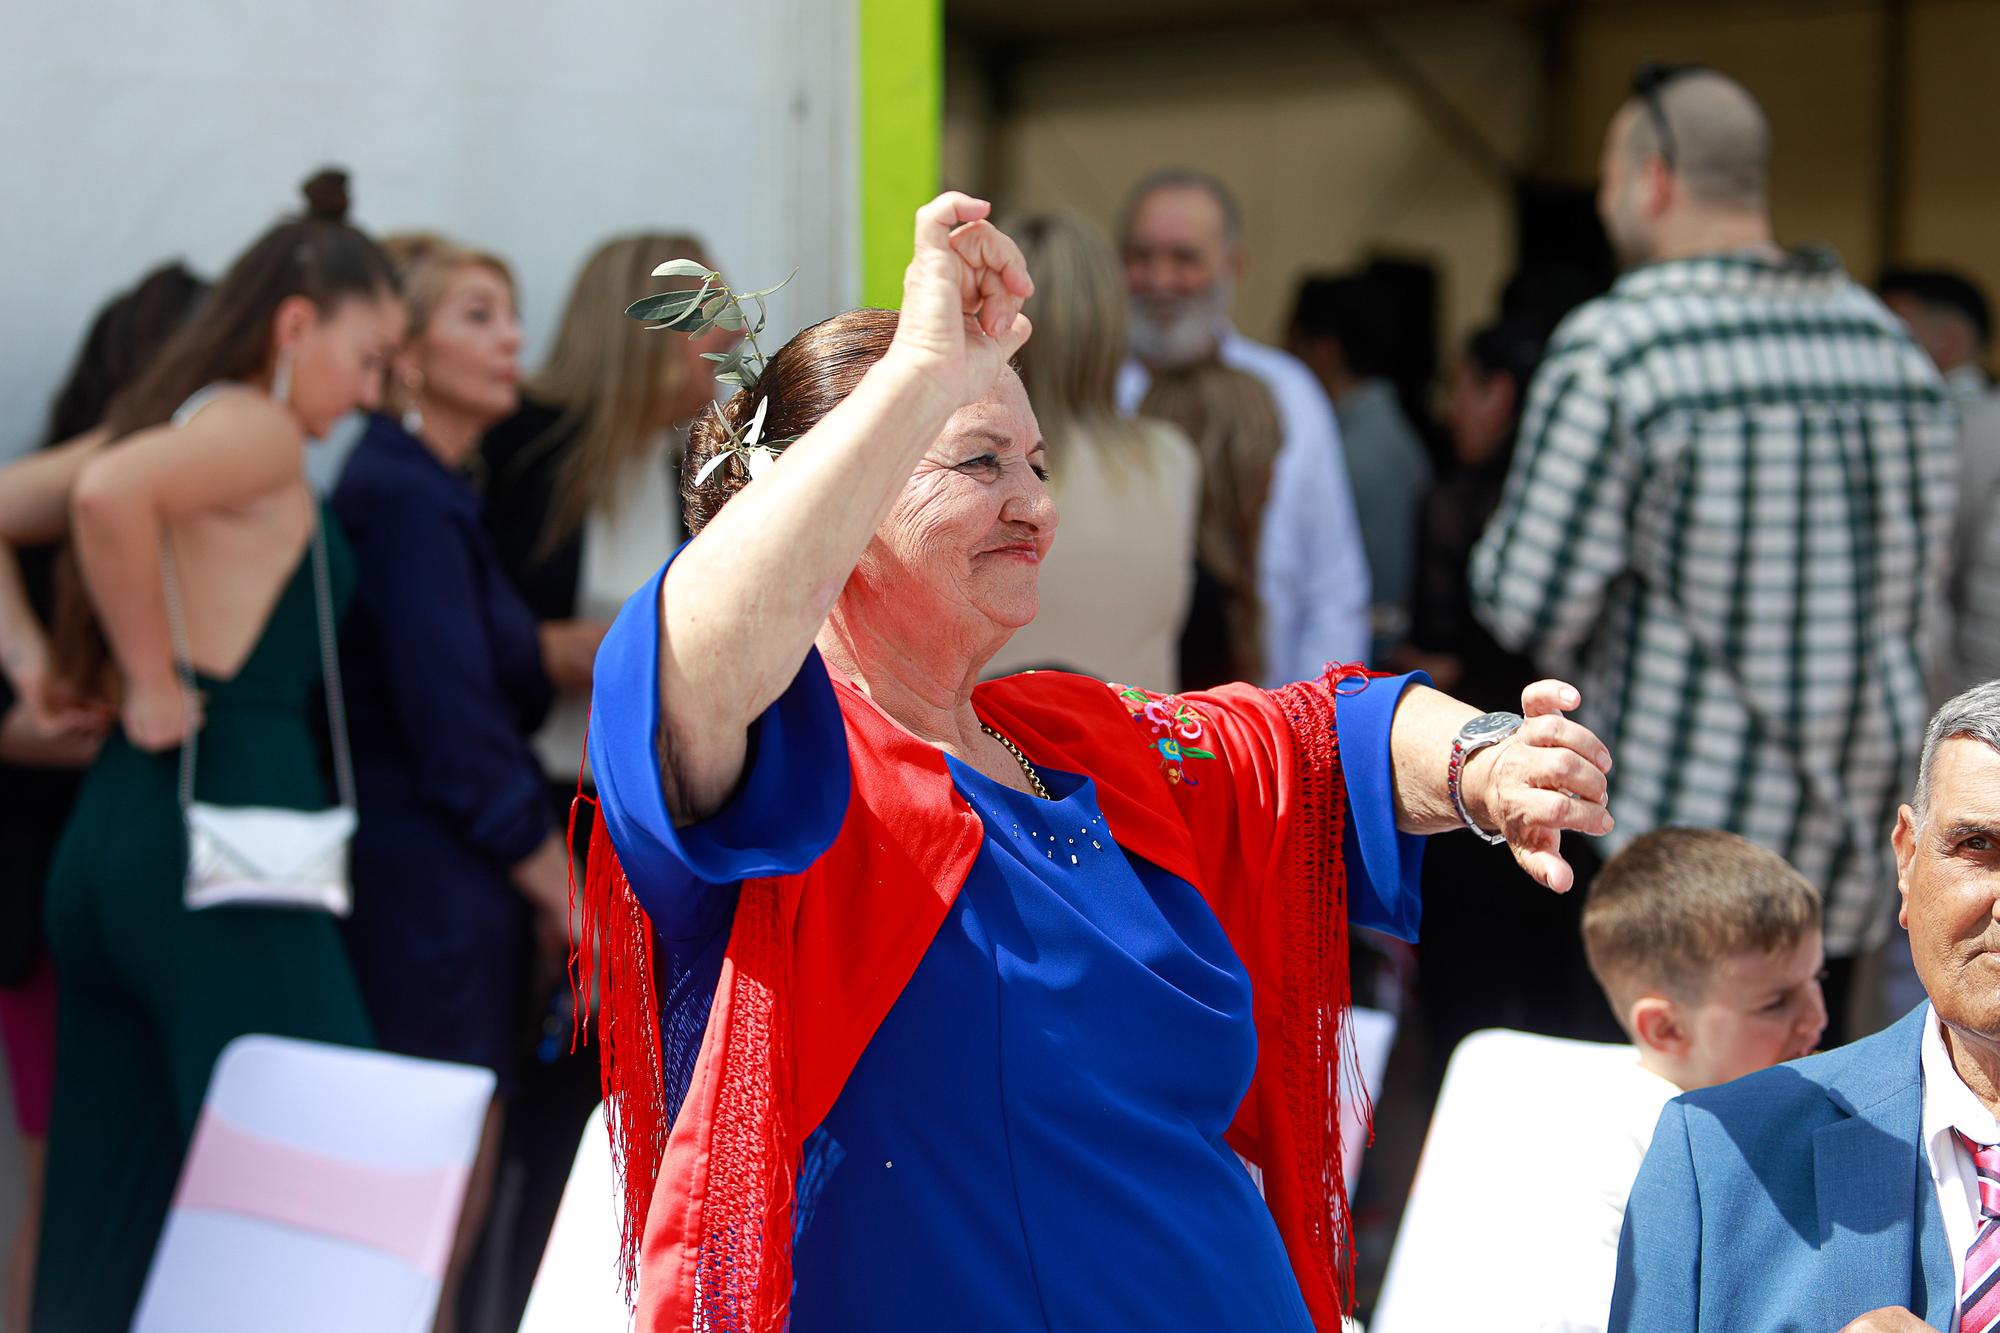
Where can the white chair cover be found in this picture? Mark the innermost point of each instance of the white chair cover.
(321, 1192)
(576, 1287)
(1504, 1129)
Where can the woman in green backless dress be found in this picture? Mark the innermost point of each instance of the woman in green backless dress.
(203, 456)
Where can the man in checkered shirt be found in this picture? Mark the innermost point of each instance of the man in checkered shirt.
(1729, 513)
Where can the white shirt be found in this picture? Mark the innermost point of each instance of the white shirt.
(1312, 576)
(1949, 1105)
(622, 546)
(1579, 1262)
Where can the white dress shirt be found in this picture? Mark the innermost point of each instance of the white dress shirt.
(1949, 1105)
(1312, 575)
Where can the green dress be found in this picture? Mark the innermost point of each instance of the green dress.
(150, 992)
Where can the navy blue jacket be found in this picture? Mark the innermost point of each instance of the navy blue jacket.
(444, 686)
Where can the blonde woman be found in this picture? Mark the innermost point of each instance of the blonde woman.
(581, 489)
(456, 862)
(1233, 421)
(1116, 588)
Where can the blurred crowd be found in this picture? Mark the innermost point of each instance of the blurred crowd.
(1743, 501)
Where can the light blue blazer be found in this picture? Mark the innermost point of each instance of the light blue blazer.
(1794, 1199)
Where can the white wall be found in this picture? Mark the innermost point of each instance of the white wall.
(137, 132)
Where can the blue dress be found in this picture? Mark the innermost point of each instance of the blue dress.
(443, 669)
(1033, 1139)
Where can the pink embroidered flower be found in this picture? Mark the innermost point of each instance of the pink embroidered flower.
(1173, 725)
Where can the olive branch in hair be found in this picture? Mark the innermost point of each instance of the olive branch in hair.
(717, 305)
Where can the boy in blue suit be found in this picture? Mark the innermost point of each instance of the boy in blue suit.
(1843, 1192)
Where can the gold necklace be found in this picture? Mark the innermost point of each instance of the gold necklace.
(1034, 778)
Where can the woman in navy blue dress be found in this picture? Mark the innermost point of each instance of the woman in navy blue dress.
(457, 870)
(971, 996)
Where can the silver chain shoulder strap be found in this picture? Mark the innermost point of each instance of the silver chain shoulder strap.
(329, 651)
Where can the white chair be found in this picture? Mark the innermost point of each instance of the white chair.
(1506, 1123)
(576, 1287)
(321, 1192)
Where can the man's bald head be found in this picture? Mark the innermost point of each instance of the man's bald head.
(1699, 182)
(1721, 141)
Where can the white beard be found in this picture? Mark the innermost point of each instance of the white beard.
(1174, 332)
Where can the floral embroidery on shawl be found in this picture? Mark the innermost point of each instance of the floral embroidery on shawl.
(1172, 726)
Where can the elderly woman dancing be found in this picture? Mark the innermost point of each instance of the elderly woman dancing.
(940, 1004)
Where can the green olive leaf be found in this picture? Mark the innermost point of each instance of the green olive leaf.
(684, 268)
(667, 307)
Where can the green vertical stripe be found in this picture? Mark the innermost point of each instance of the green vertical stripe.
(902, 107)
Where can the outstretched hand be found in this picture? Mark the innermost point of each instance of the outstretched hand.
(1549, 776)
(962, 293)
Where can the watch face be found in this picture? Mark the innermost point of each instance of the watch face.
(1490, 727)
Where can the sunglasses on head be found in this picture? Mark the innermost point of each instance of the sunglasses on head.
(1648, 85)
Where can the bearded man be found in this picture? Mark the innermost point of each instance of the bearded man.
(1182, 237)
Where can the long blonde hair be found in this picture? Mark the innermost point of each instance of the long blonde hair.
(1233, 422)
(612, 378)
(1070, 366)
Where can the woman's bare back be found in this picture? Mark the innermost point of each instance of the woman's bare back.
(225, 491)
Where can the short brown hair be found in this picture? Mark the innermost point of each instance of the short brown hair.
(805, 380)
(1677, 900)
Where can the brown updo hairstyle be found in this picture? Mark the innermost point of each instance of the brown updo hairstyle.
(805, 380)
(317, 255)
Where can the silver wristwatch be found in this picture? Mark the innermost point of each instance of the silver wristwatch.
(1482, 731)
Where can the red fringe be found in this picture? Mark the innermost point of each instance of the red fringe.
(743, 1265)
(611, 961)
(1316, 1030)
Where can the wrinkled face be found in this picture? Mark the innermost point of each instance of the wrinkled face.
(337, 360)
(1948, 872)
(467, 360)
(959, 556)
(1759, 1009)
(1620, 194)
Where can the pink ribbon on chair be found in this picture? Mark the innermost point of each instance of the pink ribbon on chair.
(410, 1213)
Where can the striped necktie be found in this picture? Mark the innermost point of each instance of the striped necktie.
(1979, 1294)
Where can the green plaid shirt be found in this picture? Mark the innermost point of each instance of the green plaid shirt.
(1729, 516)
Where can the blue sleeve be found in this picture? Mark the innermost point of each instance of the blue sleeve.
(1384, 864)
(419, 580)
(1659, 1273)
(787, 810)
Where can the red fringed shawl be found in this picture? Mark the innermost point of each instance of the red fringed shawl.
(1237, 791)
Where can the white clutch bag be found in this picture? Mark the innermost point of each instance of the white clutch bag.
(262, 856)
(269, 856)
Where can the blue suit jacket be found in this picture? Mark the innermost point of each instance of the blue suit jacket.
(1794, 1199)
